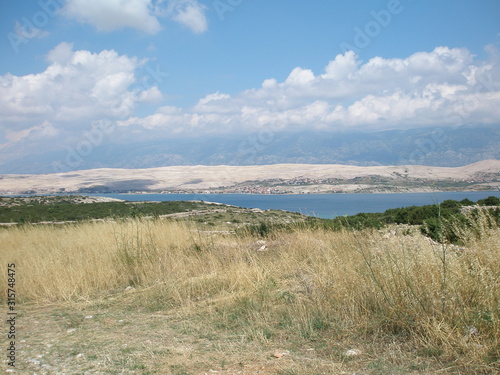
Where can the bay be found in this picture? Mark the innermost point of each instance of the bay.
(321, 205)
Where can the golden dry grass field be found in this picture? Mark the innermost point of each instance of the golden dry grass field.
(163, 297)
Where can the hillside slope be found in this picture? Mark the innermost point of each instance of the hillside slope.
(209, 177)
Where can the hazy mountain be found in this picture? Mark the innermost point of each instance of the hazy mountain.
(450, 147)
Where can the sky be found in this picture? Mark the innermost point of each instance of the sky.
(128, 71)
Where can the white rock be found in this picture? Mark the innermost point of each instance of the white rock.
(473, 331)
(255, 210)
(71, 330)
(352, 352)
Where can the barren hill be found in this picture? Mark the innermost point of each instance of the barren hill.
(189, 178)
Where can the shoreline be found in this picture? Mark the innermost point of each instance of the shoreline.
(106, 194)
(325, 206)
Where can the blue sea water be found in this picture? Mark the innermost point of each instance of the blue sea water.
(320, 205)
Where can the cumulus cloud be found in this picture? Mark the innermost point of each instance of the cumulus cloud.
(300, 77)
(446, 86)
(61, 54)
(191, 14)
(77, 86)
(214, 103)
(113, 15)
(142, 15)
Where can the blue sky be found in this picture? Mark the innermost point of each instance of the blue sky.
(153, 69)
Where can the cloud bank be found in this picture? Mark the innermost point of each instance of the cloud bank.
(443, 87)
(446, 86)
(77, 88)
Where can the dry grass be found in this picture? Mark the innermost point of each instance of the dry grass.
(441, 302)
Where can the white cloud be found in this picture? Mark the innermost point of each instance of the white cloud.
(214, 103)
(111, 15)
(300, 77)
(61, 54)
(444, 86)
(151, 95)
(269, 83)
(189, 13)
(192, 15)
(342, 67)
(437, 88)
(213, 98)
(77, 86)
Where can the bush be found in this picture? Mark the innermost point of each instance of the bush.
(490, 201)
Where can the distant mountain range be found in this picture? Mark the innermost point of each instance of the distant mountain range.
(445, 147)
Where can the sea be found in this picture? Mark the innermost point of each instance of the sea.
(325, 206)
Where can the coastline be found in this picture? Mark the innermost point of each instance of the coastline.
(324, 206)
(355, 190)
